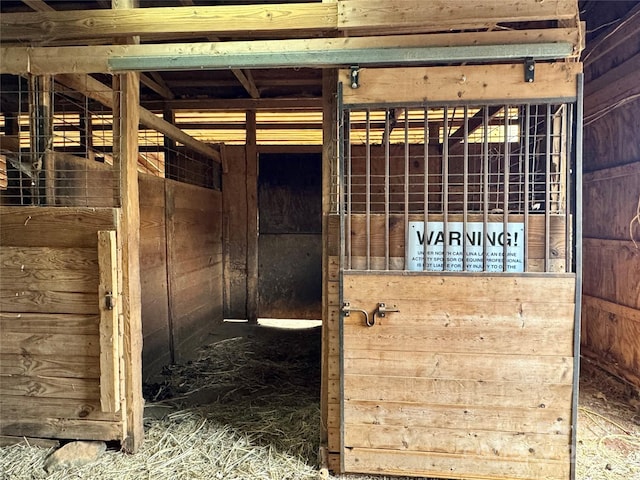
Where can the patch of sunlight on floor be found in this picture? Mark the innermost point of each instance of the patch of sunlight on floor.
(293, 324)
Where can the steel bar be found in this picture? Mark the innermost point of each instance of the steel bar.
(401, 56)
(485, 207)
(349, 187)
(527, 154)
(425, 182)
(368, 187)
(505, 192)
(445, 185)
(387, 135)
(547, 187)
(465, 186)
(406, 176)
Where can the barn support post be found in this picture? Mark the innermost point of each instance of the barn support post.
(127, 104)
(329, 122)
(252, 218)
(41, 128)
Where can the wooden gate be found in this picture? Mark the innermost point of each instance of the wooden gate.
(61, 369)
(457, 279)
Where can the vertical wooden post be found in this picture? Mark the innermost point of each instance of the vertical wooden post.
(129, 101)
(130, 233)
(169, 145)
(41, 125)
(252, 218)
(329, 125)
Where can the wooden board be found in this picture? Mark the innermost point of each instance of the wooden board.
(464, 83)
(452, 376)
(194, 256)
(53, 226)
(108, 293)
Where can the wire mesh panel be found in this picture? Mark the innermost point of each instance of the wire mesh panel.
(59, 146)
(457, 188)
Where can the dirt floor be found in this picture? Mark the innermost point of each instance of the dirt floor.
(248, 408)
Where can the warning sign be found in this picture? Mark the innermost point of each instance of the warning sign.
(476, 242)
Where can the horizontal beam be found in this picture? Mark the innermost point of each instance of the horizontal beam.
(405, 56)
(218, 20)
(280, 19)
(467, 83)
(94, 59)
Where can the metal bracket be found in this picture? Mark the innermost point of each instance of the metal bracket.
(355, 76)
(382, 310)
(108, 301)
(529, 69)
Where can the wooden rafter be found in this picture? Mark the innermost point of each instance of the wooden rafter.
(350, 16)
(38, 5)
(246, 79)
(455, 139)
(157, 86)
(96, 90)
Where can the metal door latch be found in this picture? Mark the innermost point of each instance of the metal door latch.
(382, 310)
(347, 309)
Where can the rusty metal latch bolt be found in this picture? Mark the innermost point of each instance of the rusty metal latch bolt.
(382, 310)
(108, 301)
(347, 309)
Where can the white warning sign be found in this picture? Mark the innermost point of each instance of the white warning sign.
(475, 241)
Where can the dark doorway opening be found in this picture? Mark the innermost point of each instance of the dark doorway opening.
(290, 236)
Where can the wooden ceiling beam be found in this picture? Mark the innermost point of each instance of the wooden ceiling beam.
(246, 79)
(38, 5)
(217, 20)
(95, 59)
(349, 16)
(239, 104)
(473, 123)
(158, 87)
(98, 91)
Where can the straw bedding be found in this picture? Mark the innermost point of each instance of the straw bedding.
(248, 408)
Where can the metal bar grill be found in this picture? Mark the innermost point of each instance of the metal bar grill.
(467, 188)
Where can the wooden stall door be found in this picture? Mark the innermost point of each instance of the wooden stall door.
(60, 351)
(470, 378)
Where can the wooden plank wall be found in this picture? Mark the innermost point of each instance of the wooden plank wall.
(156, 345)
(234, 194)
(50, 348)
(181, 269)
(194, 264)
(611, 288)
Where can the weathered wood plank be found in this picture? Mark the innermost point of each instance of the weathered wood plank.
(61, 428)
(47, 301)
(217, 20)
(464, 466)
(463, 83)
(28, 364)
(56, 387)
(53, 226)
(472, 441)
(57, 344)
(416, 15)
(483, 289)
(16, 407)
(47, 258)
(532, 420)
(508, 395)
(49, 323)
(61, 280)
(109, 317)
(474, 339)
(455, 366)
